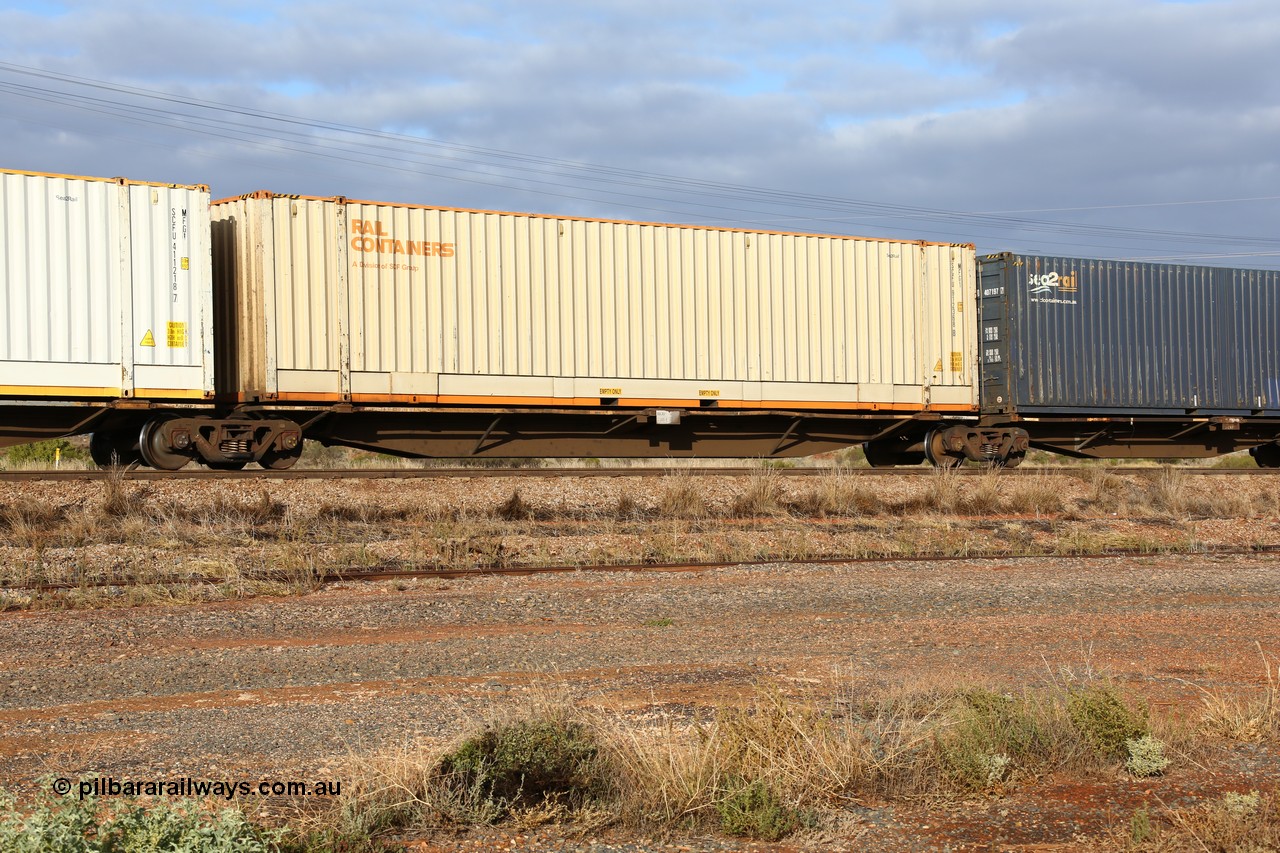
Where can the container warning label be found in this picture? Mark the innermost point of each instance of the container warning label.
(148, 340)
(176, 335)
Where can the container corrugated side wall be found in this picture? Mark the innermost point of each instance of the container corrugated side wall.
(105, 288)
(381, 301)
(1122, 336)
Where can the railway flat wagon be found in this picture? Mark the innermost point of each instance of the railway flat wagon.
(428, 331)
(106, 294)
(1099, 358)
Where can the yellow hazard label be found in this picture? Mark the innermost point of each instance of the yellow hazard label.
(957, 362)
(176, 335)
(937, 368)
(148, 340)
(186, 263)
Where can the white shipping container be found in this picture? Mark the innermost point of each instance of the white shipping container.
(331, 299)
(105, 288)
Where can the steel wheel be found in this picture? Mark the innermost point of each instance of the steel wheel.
(1266, 455)
(936, 452)
(113, 450)
(278, 460)
(154, 450)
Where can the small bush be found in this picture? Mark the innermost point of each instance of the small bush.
(1235, 822)
(993, 735)
(752, 810)
(1146, 756)
(526, 764)
(1105, 721)
(120, 500)
(762, 497)
(1140, 829)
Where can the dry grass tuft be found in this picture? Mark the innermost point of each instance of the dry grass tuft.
(763, 496)
(514, 508)
(1244, 719)
(120, 500)
(836, 494)
(1236, 822)
(1036, 494)
(681, 497)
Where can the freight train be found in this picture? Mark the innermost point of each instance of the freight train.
(174, 329)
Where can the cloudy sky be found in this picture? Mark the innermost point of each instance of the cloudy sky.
(1108, 128)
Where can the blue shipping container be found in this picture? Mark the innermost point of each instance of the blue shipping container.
(1102, 337)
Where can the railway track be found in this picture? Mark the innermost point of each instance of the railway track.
(140, 474)
(386, 572)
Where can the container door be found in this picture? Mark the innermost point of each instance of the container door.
(993, 342)
(169, 258)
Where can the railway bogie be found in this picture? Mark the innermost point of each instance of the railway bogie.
(169, 441)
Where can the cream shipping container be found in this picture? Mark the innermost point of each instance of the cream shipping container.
(107, 303)
(105, 287)
(339, 300)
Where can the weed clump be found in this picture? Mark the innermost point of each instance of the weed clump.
(1146, 756)
(1105, 721)
(525, 764)
(681, 497)
(753, 810)
(993, 735)
(514, 508)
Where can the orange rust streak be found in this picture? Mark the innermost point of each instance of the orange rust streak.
(266, 194)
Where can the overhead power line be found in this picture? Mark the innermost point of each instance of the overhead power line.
(561, 178)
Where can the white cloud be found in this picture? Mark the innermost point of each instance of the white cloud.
(966, 105)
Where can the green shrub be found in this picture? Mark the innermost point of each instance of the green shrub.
(1105, 721)
(1146, 756)
(752, 810)
(993, 735)
(525, 764)
(1140, 829)
(43, 453)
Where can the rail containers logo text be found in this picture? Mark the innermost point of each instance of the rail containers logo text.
(371, 236)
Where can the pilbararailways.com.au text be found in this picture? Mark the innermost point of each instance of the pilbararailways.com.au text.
(228, 789)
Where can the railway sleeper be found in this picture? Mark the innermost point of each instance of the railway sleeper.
(168, 442)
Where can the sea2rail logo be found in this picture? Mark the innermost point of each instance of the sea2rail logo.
(1054, 288)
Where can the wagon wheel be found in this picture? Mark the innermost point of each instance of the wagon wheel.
(113, 450)
(1266, 455)
(155, 451)
(1013, 460)
(936, 452)
(278, 460)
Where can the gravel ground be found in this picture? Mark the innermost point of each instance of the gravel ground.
(282, 688)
